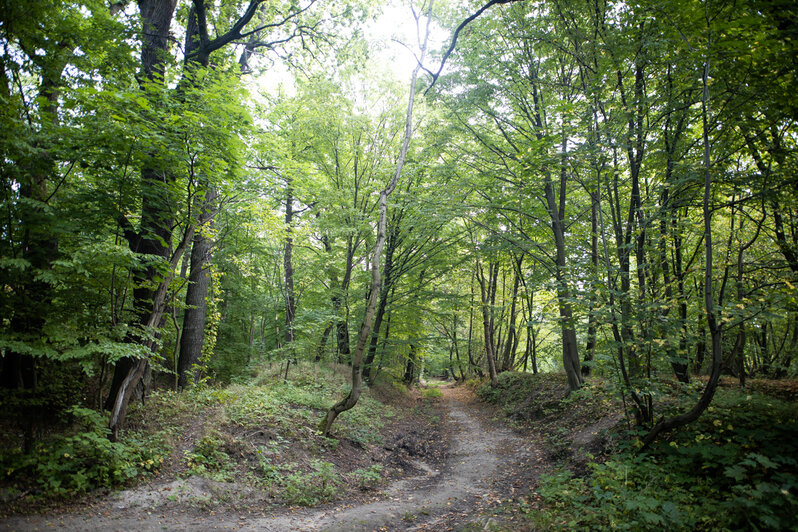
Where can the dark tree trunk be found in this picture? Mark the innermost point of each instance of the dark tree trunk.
(410, 367)
(342, 328)
(323, 342)
(508, 359)
(570, 350)
(709, 304)
(590, 348)
(472, 365)
(194, 319)
(39, 246)
(156, 217)
(288, 267)
(457, 349)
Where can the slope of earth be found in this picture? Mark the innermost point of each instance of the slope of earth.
(486, 465)
(241, 449)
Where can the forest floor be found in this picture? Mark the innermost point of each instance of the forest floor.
(463, 473)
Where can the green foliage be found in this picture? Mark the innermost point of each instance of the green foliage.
(84, 460)
(362, 424)
(367, 478)
(432, 392)
(734, 469)
(312, 488)
(208, 458)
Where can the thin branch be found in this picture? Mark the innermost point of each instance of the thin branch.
(457, 31)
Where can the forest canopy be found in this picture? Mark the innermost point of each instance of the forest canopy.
(192, 190)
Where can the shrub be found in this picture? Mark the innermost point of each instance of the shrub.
(208, 459)
(309, 489)
(432, 392)
(735, 468)
(85, 460)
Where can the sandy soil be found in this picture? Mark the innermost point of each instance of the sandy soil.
(487, 465)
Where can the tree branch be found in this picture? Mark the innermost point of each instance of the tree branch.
(457, 31)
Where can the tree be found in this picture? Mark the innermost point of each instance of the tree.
(365, 329)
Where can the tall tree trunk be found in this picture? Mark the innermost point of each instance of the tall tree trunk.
(709, 303)
(508, 359)
(376, 281)
(386, 288)
(140, 366)
(155, 232)
(342, 300)
(410, 366)
(323, 342)
(570, 350)
(487, 286)
(39, 248)
(288, 270)
(193, 336)
(457, 348)
(590, 348)
(472, 366)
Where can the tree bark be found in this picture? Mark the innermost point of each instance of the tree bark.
(508, 359)
(388, 279)
(487, 286)
(139, 366)
(590, 348)
(288, 266)
(570, 349)
(193, 336)
(155, 232)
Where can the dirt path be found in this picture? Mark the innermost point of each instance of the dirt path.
(481, 470)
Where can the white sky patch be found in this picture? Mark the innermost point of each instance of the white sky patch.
(396, 39)
(394, 45)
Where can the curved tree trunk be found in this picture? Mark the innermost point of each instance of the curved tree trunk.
(709, 303)
(376, 282)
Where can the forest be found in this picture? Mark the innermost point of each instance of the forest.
(226, 223)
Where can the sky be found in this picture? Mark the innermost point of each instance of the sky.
(393, 39)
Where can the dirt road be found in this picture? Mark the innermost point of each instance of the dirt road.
(482, 470)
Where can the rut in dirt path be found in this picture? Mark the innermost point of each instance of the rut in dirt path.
(481, 457)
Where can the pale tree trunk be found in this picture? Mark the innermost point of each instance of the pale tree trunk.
(488, 287)
(376, 283)
(375, 334)
(139, 367)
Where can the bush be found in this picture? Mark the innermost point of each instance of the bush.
(208, 459)
(733, 469)
(432, 392)
(309, 489)
(84, 460)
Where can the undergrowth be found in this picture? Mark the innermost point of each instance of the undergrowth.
(733, 469)
(81, 459)
(262, 434)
